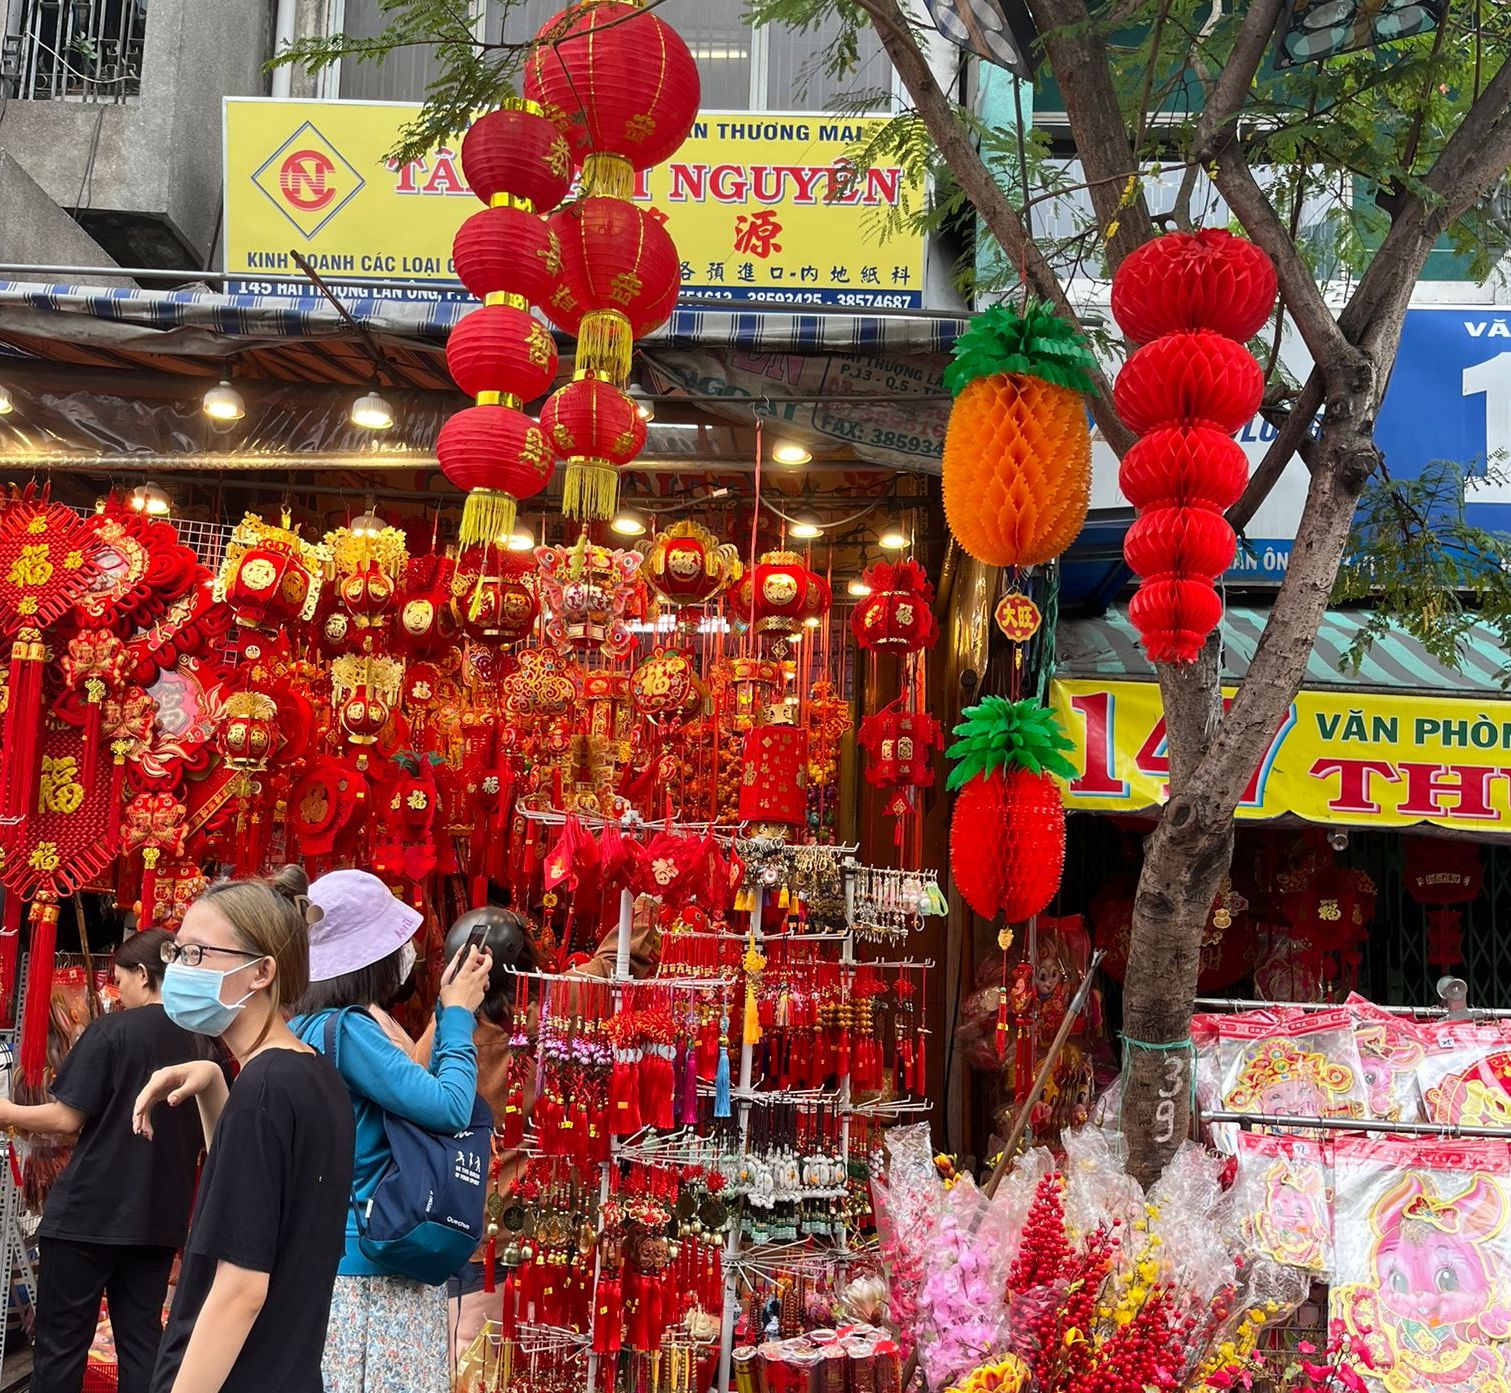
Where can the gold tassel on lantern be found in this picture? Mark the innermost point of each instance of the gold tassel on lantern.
(608, 175)
(487, 516)
(590, 489)
(604, 343)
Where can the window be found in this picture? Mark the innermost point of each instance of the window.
(795, 76)
(719, 38)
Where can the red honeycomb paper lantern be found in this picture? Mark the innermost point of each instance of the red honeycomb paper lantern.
(620, 274)
(499, 351)
(499, 455)
(620, 84)
(594, 427)
(1007, 844)
(1179, 542)
(1185, 467)
(507, 251)
(515, 153)
(1189, 379)
(1194, 280)
(1174, 617)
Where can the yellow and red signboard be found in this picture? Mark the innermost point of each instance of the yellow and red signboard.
(1382, 760)
(761, 205)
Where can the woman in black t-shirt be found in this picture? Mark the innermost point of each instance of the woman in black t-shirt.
(120, 1209)
(269, 1222)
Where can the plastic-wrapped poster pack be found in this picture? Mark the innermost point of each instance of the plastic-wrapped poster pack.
(1285, 1200)
(1423, 1262)
(1465, 1076)
(1391, 1050)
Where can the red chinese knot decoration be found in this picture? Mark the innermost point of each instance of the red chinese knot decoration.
(1192, 300)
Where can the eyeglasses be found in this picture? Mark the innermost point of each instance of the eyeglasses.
(192, 954)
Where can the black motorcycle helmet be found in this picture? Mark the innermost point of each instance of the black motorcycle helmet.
(503, 933)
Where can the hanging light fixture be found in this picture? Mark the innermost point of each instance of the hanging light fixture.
(790, 452)
(6, 404)
(812, 622)
(894, 539)
(858, 588)
(151, 500)
(368, 524)
(645, 407)
(372, 411)
(518, 541)
(224, 403)
(628, 523)
(806, 527)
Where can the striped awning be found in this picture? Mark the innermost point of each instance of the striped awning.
(1108, 647)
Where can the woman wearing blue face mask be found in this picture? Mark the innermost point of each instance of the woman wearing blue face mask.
(255, 1285)
(388, 1334)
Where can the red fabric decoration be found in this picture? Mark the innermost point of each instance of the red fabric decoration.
(143, 569)
(1194, 280)
(594, 427)
(1186, 391)
(900, 748)
(1189, 379)
(427, 626)
(780, 593)
(1442, 872)
(1007, 843)
(620, 274)
(507, 251)
(774, 776)
(498, 455)
(898, 615)
(1185, 467)
(500, 350)
(1179, 542)
(619, 83)
(516, 152)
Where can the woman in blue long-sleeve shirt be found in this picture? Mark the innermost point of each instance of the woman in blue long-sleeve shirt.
(387, 1334)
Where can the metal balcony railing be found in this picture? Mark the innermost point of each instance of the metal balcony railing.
(73, 50)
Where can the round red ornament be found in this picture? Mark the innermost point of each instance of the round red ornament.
(498, 351)
(1007, 844)
(507, 251)
(780, 593)
(897, 616)
(1181, 542)
(620, 84)
(516, 153)
(620, 274)
(499, 455)
(363, 714)
(1185, 467)
(687, 565)
(1194, 280)
(596, 429)
(1174, 617)
(1191, 379)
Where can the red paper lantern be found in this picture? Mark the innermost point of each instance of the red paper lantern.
(780, 594)
(1174, 617)
(1180, 542)
(269, 585)
(425, 625)
(594, 427)
(1194, 280)
(368, 594)
(249, 732)
(507, 251)
(619, 83)
(620, 274)
(516, 153)
(687, 565)
(1189, 379)
(1007, 844)
(1185, 467)
(498, 455)
(498, 351)
(363, 713)
(493, 598)
(897, 616)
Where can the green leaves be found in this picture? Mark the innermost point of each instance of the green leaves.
(1035, 344)
(1003, 734)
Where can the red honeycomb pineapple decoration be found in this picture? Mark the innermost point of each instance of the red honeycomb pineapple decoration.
(623, 89)
(500, 355)
(1193, 300)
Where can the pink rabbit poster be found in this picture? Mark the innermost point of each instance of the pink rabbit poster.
(1423, 1256)
(1286, 1197)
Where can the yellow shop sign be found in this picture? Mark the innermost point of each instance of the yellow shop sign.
(1381, 760)
(761, 206)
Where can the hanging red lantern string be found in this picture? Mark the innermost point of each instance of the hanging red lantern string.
(1193, 300)
(594, 427)
(499, 455)
(516, 157)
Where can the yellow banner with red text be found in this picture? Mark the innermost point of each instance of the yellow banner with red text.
(1377, 760)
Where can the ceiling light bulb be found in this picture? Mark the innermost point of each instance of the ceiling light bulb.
(790, 452)
(372, 412)
(519, 541)
(6, 404)
(645, 408)
(893, 539)
(859, 589)
(805, 527)
(224, 403)
(369, 524)
(811, 622)
(628, 524)
(150, 500)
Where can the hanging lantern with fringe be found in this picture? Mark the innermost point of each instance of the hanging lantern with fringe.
(516, 157)
(685, 564)
(595, 428)
(507, 255)
(499, 456)
(621, 86)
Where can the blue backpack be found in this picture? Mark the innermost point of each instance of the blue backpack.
(425, 1219)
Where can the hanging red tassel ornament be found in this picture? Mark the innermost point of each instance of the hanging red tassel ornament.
(1194, 280)
(37, 1011)
(1007, 833)
(1193, 299)
(10, 955)
(23, 714)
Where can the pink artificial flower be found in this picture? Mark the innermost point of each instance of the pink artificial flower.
(1305, 1347)
(1351, 1380)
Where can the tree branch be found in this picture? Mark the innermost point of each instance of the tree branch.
(1217, 124)
(1286, 443)
(986, 195)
